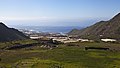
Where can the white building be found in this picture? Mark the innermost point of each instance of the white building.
(35, 37)
(108, 40)
(70, 41)
(84, 40)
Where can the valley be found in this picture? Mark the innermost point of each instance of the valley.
(63, 56)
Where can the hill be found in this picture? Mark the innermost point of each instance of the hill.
(10, 34)
(102, 29)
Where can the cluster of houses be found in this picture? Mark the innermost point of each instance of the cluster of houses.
(61, 38)
(70, 40)
(67, 39)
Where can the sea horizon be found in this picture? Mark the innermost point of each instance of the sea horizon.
(50, 29)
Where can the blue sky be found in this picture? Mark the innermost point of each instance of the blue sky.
(57, 12)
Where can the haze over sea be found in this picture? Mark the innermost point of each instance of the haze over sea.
(51, 29)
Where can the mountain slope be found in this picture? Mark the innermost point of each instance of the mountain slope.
(102, 29)
(10, 34)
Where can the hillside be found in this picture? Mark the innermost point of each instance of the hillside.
(10, 34)
(102, 29)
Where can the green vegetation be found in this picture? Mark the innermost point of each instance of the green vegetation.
(10, 34)
(7, 44)
(62, 57)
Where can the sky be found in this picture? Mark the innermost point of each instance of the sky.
(57, 12)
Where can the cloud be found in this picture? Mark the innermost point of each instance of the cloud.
(26, 18)
(41, 19)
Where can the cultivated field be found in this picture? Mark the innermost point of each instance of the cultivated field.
(62, 57)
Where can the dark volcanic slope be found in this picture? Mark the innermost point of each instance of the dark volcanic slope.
(104, 29)
(10, 34)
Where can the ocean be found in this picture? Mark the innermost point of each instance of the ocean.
(51, 29)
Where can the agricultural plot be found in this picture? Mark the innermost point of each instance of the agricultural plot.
(63, 57)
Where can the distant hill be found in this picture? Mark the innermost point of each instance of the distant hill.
(10, 34)
(102, 29)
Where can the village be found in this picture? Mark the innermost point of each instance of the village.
(63, 38)
(52, 40)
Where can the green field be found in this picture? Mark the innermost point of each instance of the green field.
(62, 57)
